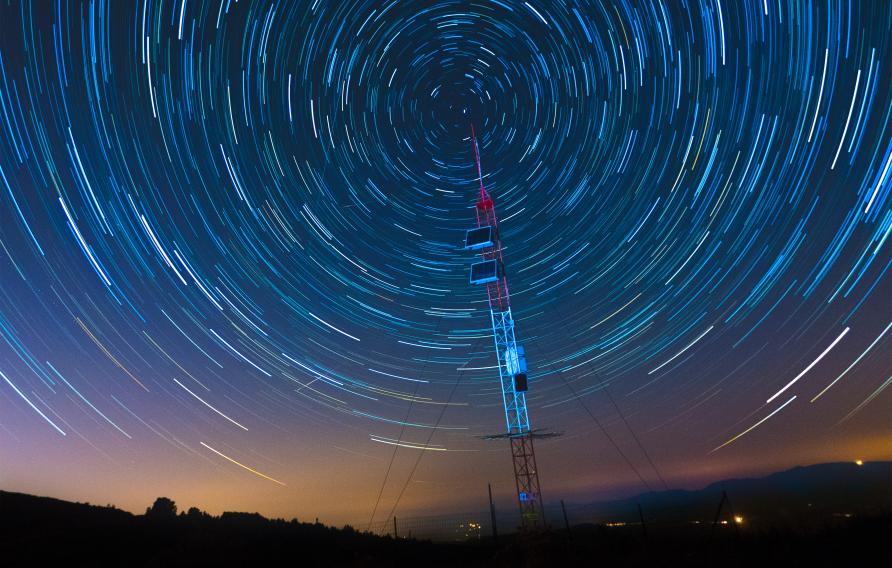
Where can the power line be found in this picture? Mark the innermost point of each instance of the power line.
(431, 436)
(644, 451)
(402, 431)
(634, 435)
(622, 416)
(597, 422)
(393, 455)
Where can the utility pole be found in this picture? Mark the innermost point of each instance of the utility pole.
(643, 524)
(492, 515)
(566, 520)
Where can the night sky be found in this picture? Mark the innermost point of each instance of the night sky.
(230, 263)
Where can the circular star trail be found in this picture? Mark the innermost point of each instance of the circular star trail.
(231, 238)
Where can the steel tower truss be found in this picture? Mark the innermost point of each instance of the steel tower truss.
(511, 357)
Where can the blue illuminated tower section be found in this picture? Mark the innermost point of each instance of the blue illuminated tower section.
(490, 272)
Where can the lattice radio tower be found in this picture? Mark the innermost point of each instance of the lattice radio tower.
(490, 271)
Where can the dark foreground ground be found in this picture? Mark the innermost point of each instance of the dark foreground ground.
(37, 531)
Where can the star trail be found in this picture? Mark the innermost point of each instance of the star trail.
(231, 265)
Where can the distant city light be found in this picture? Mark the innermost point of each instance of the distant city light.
(859, 462)
(738, 519)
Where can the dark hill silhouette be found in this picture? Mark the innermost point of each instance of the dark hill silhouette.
(823, 515)
(796, 495)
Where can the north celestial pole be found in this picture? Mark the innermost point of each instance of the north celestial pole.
(230, 265)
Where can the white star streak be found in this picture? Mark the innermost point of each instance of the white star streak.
(813, 363)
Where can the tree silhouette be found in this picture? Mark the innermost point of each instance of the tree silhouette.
(162, 508)
(196, 513)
